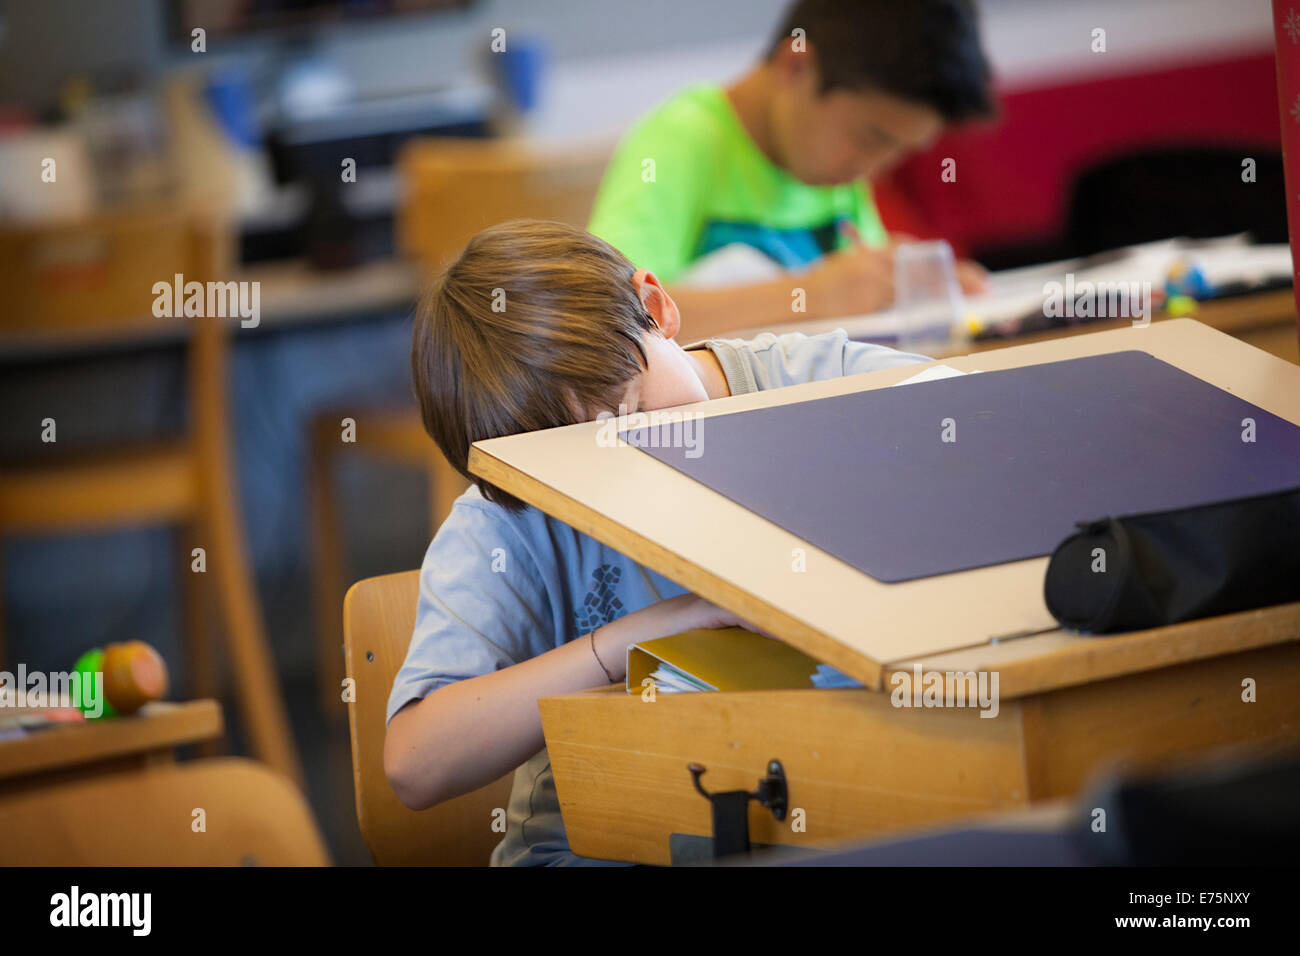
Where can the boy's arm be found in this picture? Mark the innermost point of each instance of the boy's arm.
(468, 733)
(862, 357)
(707, 313)
(845, 282)
(793, 358)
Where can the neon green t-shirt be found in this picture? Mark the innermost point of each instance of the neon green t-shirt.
(687, 179)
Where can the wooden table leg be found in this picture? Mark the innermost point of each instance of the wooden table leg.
(327, 567)
(203, 665)
(257, 686)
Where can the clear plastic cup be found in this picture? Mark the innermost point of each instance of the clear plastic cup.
(927, 295)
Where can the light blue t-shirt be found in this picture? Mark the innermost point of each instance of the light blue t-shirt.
(498, 588)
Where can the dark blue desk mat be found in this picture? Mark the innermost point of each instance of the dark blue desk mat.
(866, 478)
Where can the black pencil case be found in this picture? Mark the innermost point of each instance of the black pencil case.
(1149, 570)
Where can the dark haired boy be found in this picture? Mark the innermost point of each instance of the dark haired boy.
(780, 159)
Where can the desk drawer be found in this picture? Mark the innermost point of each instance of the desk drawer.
(856, 765)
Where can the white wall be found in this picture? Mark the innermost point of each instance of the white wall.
(612, 59)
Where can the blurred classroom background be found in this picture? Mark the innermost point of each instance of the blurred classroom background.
(229, 162)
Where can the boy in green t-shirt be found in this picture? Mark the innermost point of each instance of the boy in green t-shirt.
(779, 160)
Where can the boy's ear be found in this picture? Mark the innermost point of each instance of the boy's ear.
(795, 66)
(658, 303)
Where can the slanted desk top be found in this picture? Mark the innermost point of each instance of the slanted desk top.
(869, 629)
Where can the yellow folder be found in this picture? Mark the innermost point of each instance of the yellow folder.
(726, 659)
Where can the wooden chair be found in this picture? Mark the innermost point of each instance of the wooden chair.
(456, 188)
(453, 189)
(251, 816)
(378, 618)
(74, 284)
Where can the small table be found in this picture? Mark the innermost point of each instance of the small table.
(117, 744)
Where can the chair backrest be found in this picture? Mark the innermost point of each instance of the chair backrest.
(75, 277)
(92, 281)
(250, 815)
(455, 188)
(378, 618)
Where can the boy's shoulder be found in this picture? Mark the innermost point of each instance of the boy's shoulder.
(771, 360)
(695, 113)
(786, 342)
(795, 340)
(472, 512)
(476, 524)
(479, 529)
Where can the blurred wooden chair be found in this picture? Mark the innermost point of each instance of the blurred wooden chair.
(456, 188)
(82, 283)
(251, 817)
(378, 618)
(452, 190)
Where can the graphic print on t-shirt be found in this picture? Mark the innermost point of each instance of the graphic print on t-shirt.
(600, 605)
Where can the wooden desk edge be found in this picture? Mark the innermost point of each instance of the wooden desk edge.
(1046, 662)
(95, 741)
(1034, 665)
(1040, 664)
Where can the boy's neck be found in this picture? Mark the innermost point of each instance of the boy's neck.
(710, 371)
(750, 97)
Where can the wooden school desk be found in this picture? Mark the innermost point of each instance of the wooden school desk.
(856, 765)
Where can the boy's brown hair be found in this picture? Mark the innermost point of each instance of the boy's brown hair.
(536, 325)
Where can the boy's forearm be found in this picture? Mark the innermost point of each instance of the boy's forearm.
(467, 734)
(710, 312)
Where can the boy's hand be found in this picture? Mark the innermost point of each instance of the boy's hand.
(861, 279)
(692, 612)
(972, 276)
(851, 281)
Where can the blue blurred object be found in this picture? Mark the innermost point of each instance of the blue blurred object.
(1187, 278)
(230, 94)
(521, 67)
